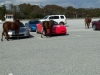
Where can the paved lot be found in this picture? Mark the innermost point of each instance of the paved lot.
(77, 53)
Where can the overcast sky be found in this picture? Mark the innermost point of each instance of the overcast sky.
(45, 2)
(63, 3)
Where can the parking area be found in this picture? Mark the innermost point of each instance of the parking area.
(76, 53)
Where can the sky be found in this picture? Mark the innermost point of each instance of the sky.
(63, 3)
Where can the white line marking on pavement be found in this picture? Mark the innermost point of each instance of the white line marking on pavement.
(76, 35)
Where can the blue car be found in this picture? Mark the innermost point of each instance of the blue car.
(32, 24)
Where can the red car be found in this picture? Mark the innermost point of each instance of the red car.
(57, 29)
(96, 25)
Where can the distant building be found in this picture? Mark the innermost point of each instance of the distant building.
(9, 17)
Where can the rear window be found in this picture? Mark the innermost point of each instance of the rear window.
(62, 17)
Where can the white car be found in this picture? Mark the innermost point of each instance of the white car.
(24, 31)
(9, 17)
(60, 19)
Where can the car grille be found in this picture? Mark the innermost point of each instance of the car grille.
(19, 35)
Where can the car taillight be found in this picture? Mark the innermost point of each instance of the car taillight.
(58, 26)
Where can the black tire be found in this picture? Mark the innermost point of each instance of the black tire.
(94, 27)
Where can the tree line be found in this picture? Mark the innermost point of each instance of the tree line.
(28, 11)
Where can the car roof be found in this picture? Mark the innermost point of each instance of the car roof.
(55, 15)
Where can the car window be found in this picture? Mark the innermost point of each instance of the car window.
(33, 22)
(51, 17)
(21, 24)
(56, 17)
(36, 22)
(62, 17)
(45, 17)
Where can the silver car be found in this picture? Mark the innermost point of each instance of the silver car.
(24, 31)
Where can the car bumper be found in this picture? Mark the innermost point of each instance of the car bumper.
(57, 31)
(25, 34)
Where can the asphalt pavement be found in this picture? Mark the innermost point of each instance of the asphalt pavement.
(76, 53)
